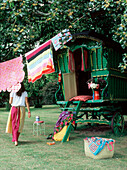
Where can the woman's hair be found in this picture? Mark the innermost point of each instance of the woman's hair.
(21, 90)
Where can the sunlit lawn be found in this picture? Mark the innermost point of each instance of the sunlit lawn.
(34, 153)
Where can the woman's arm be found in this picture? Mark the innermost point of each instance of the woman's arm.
(11, 100)
(28, 107)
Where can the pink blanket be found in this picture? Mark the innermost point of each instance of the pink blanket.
(11, 73)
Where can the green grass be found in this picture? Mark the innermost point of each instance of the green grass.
(34, 153)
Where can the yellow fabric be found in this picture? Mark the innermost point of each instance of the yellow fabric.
(22, 118)
(59, 136)
(9, 123)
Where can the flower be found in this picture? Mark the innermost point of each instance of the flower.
(99, 84)
(93, 86)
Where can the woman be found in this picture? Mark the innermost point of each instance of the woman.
(17, 114)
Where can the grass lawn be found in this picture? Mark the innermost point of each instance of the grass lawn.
(34, 153)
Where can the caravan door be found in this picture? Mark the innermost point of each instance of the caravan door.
(70, 87)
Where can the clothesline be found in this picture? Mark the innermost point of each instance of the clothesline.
(39, 61)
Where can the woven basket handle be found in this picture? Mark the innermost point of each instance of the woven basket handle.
(111, 143)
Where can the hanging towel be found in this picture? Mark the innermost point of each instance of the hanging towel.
(14, 88)
(11, 73)
(71, 64)
(61, 38)
(39, 62)
(84, 60)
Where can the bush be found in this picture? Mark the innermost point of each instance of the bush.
(34, 92)
(49, 91)
(42, 91)
(4, 99)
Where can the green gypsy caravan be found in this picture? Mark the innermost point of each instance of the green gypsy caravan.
(90, 83)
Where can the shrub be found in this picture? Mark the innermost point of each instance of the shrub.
(49, 91)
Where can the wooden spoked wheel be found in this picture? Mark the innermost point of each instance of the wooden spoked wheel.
(117, 123)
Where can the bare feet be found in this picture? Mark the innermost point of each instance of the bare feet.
(16, 143)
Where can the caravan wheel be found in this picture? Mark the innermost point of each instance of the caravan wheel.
(117, 123)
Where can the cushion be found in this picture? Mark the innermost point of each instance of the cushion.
(39, 122)
(81, 98)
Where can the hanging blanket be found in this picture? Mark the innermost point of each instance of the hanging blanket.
(84, 58)
(71, 64)
(40, 61)
(61, 125)
(63, 119)
(11, 73)
(59, 136)
(14, 88)
(61, 38)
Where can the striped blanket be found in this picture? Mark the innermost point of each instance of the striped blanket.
(40, 61)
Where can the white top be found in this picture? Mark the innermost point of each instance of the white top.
(18, 100)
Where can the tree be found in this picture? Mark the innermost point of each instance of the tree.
(25, 23)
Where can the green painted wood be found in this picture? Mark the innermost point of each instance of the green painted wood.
(117, 85)
(88, 109)
(96, 101)
(94, 60)
(67, 105)
(65, 60)
(62, 102)
(105, 61)
(94, 121)
(69, 108)
(97, 73)
(79, 106)
(103, 109)
(61, 63)
(97, 58)
(99, 54)
(67, 133)
(57, 92)
(88, 47)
